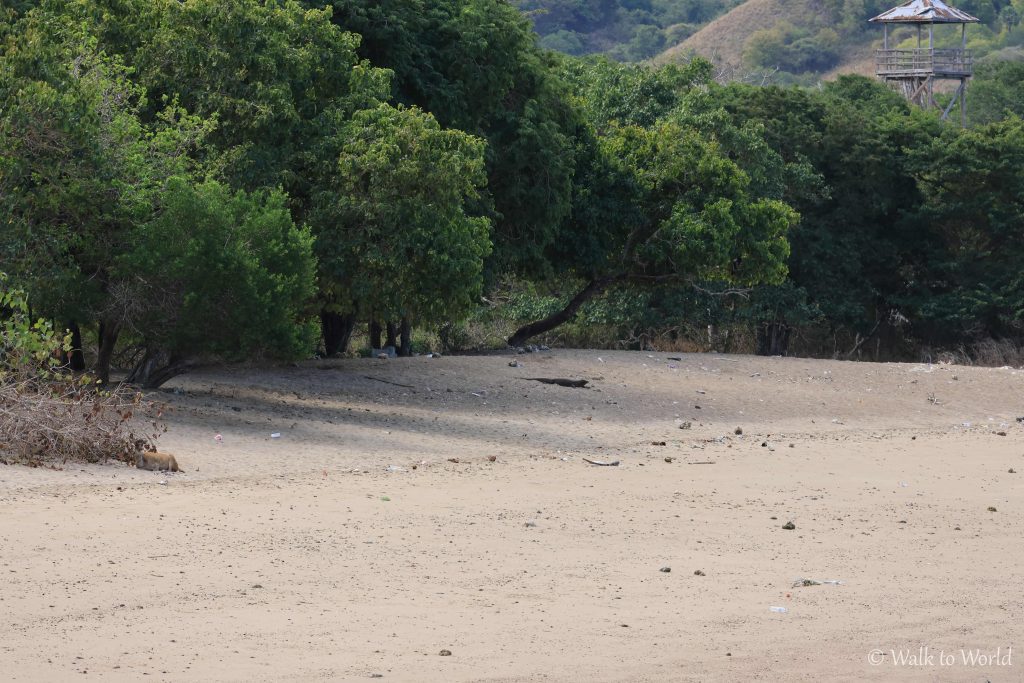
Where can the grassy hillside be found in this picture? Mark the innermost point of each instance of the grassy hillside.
(807, 40)
(779, 40)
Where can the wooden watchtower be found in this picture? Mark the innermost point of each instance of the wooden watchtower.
(913, 72)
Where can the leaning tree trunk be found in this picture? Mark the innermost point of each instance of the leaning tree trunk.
(405, 348)
(155, 368)
(593, 288)
(337, 331)
(109, 332)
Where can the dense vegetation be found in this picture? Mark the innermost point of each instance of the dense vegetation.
(194, 180)
(628, 30)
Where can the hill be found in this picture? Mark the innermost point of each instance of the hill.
(761, 37)
(785, 41)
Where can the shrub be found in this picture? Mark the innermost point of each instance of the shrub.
(47, 414)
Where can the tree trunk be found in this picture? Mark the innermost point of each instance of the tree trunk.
(392, 339)
(593, 288)
(155, 368)
(375, 332)
(75, 358)
(405, 349)
(109, 333)
(773, 338)
(337, 331)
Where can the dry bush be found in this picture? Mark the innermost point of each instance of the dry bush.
(60, 419)
(48, 414)
(997, 353)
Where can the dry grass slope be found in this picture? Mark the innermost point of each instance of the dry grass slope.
(722, 40)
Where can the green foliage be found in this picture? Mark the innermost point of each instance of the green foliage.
(474, 65)
(213, 264)
(792, 49)
(967, 277)
(78, 169)
(397, 236)
(997, 90)
(274, 75)
(629, 30)
(27, 348)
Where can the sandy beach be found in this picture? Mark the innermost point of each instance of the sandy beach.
(416, 506)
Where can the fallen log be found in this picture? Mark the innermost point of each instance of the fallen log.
(571, 383)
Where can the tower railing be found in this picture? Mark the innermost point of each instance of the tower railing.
(924, 61)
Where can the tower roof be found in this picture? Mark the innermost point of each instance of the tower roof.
(924, 12)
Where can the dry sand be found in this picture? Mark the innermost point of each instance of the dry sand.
(303, 558)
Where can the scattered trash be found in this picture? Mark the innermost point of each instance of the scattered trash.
(531, 523)
(163, 482)
(814, 582)
(385, 499)
(395, 468)
(701, 391)
(445, 653)
(218, 438)
(515, 364)
(669, 459)
(275, 435)
(778, 610)
(789, 526)
(665, 570)
(658, 443)
(702, 462)
(904, 484)
(613, 463)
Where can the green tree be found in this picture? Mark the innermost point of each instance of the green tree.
(681, 212)
(397, 236)
(996, 91)
(851, 137)
(475, 66)
(966, 279)
(212, 265)
(78, 169)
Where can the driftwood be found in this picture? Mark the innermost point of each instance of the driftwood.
(571, 383)
(385, 381)
(614, 463)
